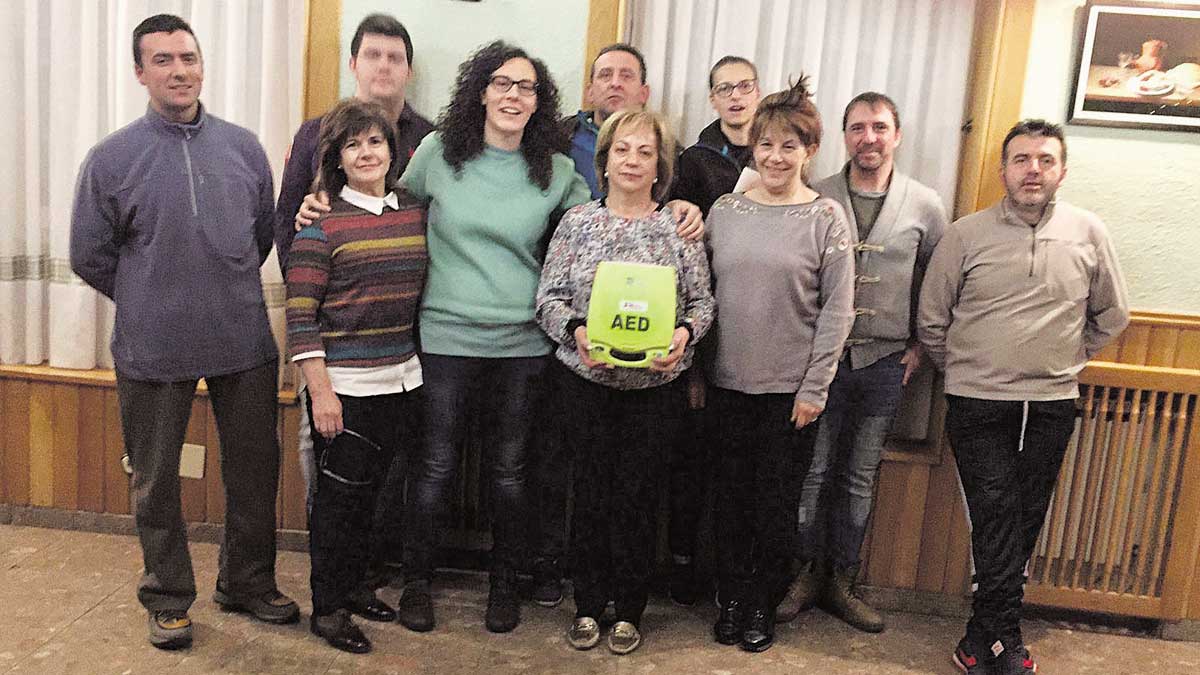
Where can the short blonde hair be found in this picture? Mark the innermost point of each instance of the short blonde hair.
(666, 148)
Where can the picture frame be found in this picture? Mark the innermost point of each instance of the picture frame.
(1138, 66)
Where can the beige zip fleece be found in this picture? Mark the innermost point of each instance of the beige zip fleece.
(1012, 311)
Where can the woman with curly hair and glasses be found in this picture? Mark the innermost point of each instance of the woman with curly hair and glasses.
(492, 174)
(353, 281)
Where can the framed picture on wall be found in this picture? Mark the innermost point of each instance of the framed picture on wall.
(1139, 66)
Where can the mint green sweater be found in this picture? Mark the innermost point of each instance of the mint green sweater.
(485, 230)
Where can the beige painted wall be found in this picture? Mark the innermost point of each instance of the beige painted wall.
(1145, 184)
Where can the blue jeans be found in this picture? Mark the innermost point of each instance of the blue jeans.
(495, 397)
(838, 491)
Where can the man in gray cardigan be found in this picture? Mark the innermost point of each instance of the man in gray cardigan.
(897, 222)
(1017, 298)
(172, 220)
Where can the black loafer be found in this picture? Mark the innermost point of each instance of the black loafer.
(340, 632)
(416, 607)
(371, 608)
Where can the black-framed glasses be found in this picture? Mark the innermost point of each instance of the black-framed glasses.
(502, 84)
(725, 89)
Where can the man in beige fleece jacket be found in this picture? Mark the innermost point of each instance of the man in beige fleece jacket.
(1016, 299)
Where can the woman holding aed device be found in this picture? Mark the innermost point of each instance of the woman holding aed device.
(783, 269)
(625, 298)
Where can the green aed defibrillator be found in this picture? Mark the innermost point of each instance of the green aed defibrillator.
(631, 314)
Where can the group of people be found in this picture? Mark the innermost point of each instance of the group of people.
(439, 277)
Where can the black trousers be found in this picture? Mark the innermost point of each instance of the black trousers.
(619, 440)
(762, 460)
(345, 504)
(154, 419)
(1008, 455)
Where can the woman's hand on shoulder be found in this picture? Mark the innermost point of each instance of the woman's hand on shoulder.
(314, 206)
(689, 222)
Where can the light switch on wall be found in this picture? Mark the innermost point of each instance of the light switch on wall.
(191, 462)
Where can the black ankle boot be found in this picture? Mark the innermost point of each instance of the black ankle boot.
(731, 624)
(760, 630)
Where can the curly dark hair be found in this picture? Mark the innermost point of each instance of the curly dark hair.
(461, 122)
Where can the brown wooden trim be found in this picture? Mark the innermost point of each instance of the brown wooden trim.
(1001, 48)
(605, 25)
(322, 56)
(1094, 601)
(1154, 378)
(97, 378)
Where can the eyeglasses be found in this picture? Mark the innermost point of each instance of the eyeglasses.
(725, 89)
(502, 85)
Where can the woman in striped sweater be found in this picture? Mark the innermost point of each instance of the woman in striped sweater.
(354, 281)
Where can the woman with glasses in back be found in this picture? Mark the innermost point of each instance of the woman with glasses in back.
(492, 175)
(353, 281)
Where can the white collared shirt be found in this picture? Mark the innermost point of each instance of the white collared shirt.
(369, 202)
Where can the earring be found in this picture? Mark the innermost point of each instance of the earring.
(656, 179)
(606, 174)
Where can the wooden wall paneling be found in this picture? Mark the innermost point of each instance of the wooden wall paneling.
(90, 434)
(193, 492)
(14, 441)
(66, 447)
(323, 59)
(914, 489)
(881, 539)
(1111, 351)
(116, 481)
(605, 25)
(1001, 49)
(1187, 349)
(940, 511)
(292, 489)
(4, 421)
(1161, 346)
(1135, 344)
(214, 486)
(41, 444)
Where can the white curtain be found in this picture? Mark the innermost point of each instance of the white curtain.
(916, 51)
(66, 71)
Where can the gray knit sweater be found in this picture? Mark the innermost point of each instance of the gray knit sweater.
(784, 283)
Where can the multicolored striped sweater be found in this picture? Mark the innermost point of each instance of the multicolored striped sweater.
(354, 281)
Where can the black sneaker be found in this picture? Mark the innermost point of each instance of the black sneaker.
(683, 587)
(547, 583)
(1015, 661)
(503, 606)
(415, 611)
(969, 660)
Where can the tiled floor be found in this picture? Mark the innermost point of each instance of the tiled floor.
(67, 605)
